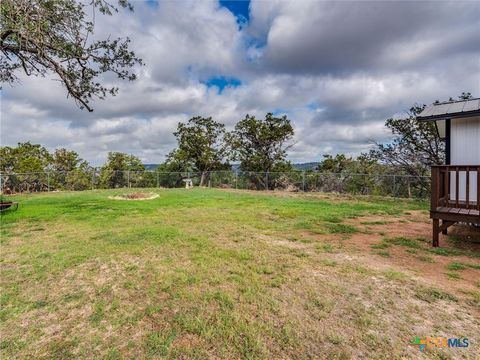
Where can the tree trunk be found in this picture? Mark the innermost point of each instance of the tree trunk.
(203, 178)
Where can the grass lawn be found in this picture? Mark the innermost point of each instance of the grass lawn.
(206, 273)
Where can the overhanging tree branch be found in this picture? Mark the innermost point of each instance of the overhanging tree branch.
(38, 37)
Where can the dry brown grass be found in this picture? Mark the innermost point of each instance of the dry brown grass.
(228, 275)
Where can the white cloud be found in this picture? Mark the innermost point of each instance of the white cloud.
(338, 69)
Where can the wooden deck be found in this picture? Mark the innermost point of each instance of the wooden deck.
(454, 197)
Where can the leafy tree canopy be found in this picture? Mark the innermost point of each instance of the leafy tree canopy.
(334, 164)
(176, 161)
(25, 158)
(118, 161)
(201, 147)
(113, 172)
(66, 160)
(416, 145)
(38, 37)
(262, 145)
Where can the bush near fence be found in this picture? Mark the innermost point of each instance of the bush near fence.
(307, 181)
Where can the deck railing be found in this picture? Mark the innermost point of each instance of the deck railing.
(455, 186)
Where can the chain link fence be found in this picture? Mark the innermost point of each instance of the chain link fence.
(296, 181)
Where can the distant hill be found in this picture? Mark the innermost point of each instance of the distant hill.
(150, 166)
(299, 166)
(306, 166)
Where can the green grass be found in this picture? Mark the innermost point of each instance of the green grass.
(452, 275)
(203, 274)
(456, 266)
(403, 241)
(426, 259)
(383, 253)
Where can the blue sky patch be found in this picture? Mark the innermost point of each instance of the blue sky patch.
(239, 8)
(152, 3)
(221, 82)
(279, 112)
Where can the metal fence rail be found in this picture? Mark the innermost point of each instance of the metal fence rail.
(308, 181)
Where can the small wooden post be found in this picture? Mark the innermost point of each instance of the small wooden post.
(435, 188)
(436, 232)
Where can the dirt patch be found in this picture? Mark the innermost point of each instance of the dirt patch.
(414, 258)
(135, 196)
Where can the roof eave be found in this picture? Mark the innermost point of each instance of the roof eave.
(459, 115)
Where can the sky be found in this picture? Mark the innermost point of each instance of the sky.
(338, 70)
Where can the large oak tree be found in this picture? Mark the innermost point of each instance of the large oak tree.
(201, 147)
(261, 145)
(39, 37)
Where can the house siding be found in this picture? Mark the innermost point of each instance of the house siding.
(465, 150)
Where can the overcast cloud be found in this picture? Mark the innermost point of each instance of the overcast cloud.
(337, 69)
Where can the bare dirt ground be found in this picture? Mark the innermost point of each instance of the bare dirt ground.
(431, 269)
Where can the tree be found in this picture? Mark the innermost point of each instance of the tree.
(415, 146)
(337, 164)
(79, 178)
(23, 167)
(201, 144)
(25, 158)
(261, 145)
(64, 160)
(69, 170)
(53, 36)
(176, 161)
(113, 172)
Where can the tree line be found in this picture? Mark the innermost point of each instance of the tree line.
(203, 146)
(256, 145)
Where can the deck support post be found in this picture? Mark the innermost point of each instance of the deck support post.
(436, 232)
(445, 231)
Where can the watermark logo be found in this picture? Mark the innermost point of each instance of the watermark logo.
(420, 343)
(439, 342)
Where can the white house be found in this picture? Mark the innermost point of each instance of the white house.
(456, 186)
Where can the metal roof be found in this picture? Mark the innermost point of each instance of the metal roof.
(451, 110)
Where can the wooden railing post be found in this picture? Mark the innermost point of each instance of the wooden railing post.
(467, 188)
(435, 188)
(446, 186)
(457, 186)
(478, 189)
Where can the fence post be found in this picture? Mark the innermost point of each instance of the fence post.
(158, 179)
(394, 187)
(266, 180)
(128, 179)
(48, 181)
(236, 180)
(303, 180)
